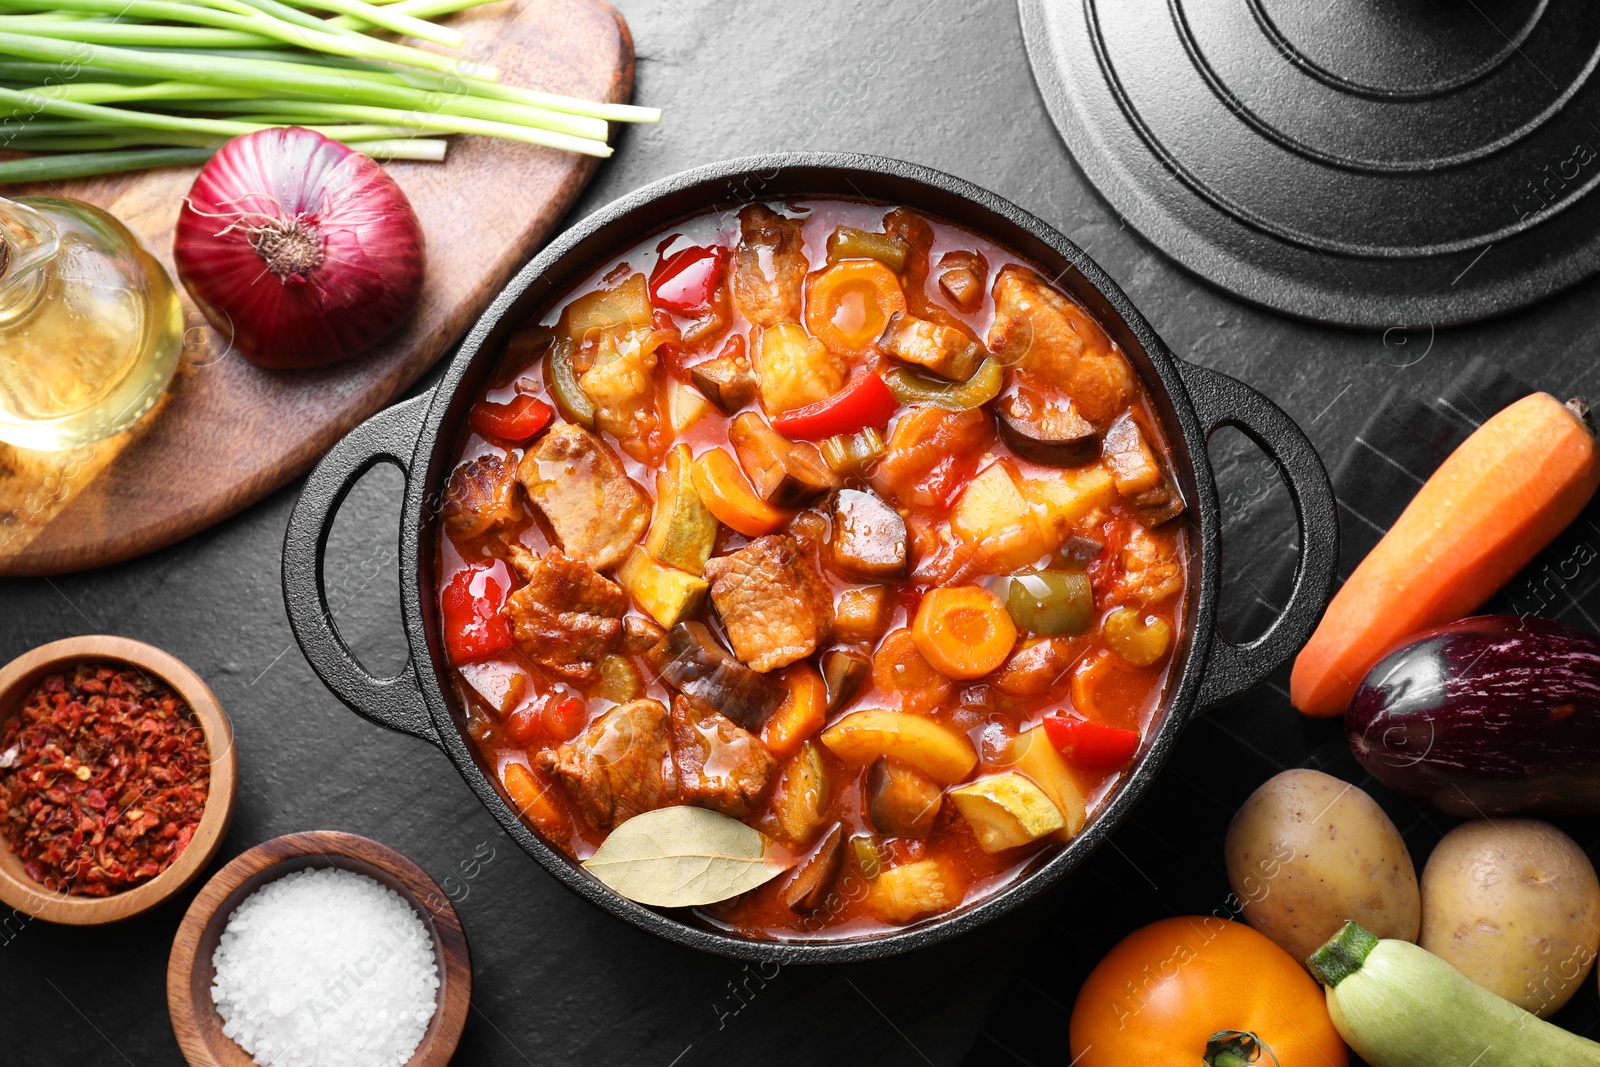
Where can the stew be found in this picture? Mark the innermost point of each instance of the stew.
(837, 520)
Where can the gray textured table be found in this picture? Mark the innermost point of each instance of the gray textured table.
(934, 81)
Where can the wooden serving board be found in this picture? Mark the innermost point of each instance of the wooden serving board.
(229, 432)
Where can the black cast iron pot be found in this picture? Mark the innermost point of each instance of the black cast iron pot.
(420, 436)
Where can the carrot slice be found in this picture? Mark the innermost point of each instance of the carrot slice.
(802, 712)
(1499, 499)
(964, 631)
(530, 797)
(849, 305)
(727, 495)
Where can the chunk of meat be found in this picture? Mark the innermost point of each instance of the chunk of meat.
(621, 382)
(640, 635)
(621, 766)
(721, 765)
(1040, 333)
(481, 496)
(567, 616)
(769, 266)
(772, 601)
(1140, 478)
(1150, 569)
(577, 481)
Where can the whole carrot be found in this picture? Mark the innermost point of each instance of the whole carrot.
(1500, 498)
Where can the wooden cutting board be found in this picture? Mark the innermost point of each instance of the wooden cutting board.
(229, 432)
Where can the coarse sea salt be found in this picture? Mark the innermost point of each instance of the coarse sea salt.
(325, 968)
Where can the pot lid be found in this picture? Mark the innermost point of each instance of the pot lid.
(1361, 162)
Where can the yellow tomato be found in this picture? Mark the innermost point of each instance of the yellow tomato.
(1204, 991)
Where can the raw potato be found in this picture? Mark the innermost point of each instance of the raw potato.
(1307, 851)
(1514, 905)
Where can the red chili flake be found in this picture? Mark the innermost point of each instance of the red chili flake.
(103, 779)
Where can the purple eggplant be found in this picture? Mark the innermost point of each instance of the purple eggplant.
(1489, 715)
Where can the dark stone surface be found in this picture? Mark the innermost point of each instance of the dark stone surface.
(933, 81)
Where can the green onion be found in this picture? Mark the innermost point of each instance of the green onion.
(86, 164)
(132, 84)
(253, 30)
(26, 103)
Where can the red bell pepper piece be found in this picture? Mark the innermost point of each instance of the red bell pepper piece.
(516, 419)
(686, 281)
(473, 625)
(1089, 744)
(864, 401)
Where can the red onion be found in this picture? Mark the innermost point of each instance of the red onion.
(300, 250)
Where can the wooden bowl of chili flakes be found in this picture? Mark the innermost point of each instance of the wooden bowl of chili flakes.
(124, 741)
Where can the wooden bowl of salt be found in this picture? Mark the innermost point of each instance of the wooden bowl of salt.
(191, 971)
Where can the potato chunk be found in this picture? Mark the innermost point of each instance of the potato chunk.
(1031, 754)
(994, 518)
(918, 742)
(794, 369)
(912, 890)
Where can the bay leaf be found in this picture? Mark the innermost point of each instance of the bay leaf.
(681, 857)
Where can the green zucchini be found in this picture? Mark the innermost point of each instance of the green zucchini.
(1398, 1005)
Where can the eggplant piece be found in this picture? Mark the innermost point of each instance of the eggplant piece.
(790, 474)
(1486, 716)
(691, 661)
(727, 380)
(844, 671)
(1079, 551)
(1139, 474)
(1047, 434)
(869, 537)
(902, 802)
(809, 884)
(941, 349)
(962, 276)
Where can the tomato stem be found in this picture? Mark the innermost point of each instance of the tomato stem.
(1237, 1048)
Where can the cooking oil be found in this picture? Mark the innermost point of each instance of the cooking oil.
(90, 327)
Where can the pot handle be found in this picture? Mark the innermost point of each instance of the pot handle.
(1219, 400)
(388, 437)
